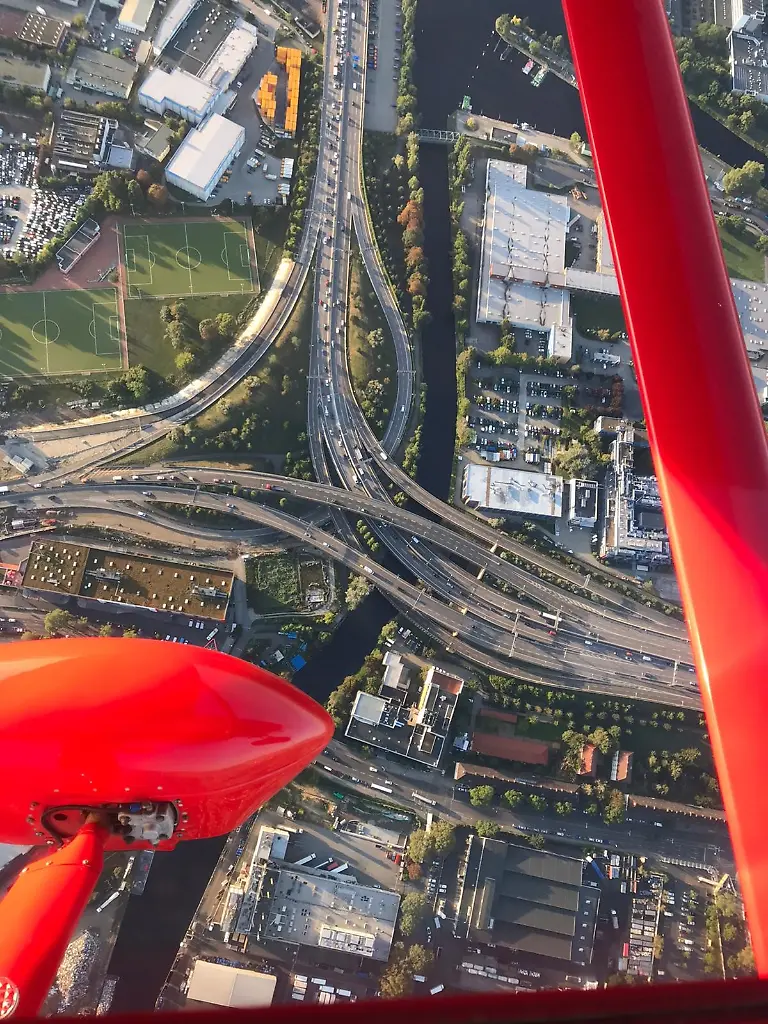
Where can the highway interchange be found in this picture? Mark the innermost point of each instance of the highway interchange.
(600, 640)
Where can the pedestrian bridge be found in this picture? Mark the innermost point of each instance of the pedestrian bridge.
(440, 137)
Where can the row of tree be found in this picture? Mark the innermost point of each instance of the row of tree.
(306, 161)
(367, 678)
(460, 172)
(404, 962)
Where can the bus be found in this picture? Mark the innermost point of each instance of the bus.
(381, 789)
(107, 901)
(424, 799)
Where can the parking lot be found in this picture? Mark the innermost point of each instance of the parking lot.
(385, 34)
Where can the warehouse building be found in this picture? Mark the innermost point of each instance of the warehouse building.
(228, 59)
(16, 73)
(222, 985)
(528, 901)
(95, 575)
(96, 71)
(178, 92)
(513, 490)
(204, 155)
(135, 16)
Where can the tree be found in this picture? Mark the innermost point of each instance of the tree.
(358, 589)
(613, 809)
(513, 797)
(106, 630)
(185, 362)
(442, 836)
(419, 959)
(471, 124)
(144, 179)
(130, 634)
(761, 243)
(27, 635)
(536, 841)
(744, 180)
(158, 195)
(136, 381)
(658, 946)
(227, 325)
(481, 796)
(412, 910)
(395, 982)
(742, 962)
(576, 142)
(487, 829)
(418, 845)
(534, 48)
(209, 330)
(78, 22)
(58, 621)
(413, 870)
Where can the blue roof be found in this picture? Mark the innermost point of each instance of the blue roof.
(297, 662)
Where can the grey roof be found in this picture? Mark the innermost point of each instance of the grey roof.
(527, 900)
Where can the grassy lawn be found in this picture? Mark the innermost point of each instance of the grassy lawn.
(590, 311)
(741, 258)
(539, 730)
(272, 583)
(367, 364)
(267, 411)
(147, 341)
(70, 331)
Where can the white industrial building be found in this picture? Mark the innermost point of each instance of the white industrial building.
(523, 277)
(175, 16)
(228, 59)
(204, 155)
(135, 16)
(513, 490)
(179, 92)
(223, 985)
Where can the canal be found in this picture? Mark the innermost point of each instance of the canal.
(455, 48)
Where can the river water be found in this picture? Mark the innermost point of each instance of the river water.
(455, 42)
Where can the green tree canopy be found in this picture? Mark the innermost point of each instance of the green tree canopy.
(58, 621)
(481, 796)
(358, 589)
(487, 829)
(744, 180)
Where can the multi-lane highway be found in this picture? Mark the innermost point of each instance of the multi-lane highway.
(598, 639)
(573, 656)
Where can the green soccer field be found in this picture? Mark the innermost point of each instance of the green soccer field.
(176, 258)
(59, 332)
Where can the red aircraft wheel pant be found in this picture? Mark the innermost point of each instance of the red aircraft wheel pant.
(96, 721)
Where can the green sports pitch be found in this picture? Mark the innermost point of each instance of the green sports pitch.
(50, 333)
(171, 259)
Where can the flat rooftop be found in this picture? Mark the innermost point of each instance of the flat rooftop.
(513, 490)
(15, 70)
(528, 900)
(230, 56)
(749, 63)
(81, 139)
(316, 909)
(223, 985)
(523, 251)
(176, 87)
(101, 71)
(198, 157)
(132, 580)
(40, 30)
